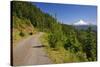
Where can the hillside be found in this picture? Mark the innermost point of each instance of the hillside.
(28, 11)
(21, 28)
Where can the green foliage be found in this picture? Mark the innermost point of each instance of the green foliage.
(89, 45)
(56, 37)
(16, 35)
(42, 21)
(88, 41)
(82, 56)
(30, 33)
(21, 34)
(52, 40)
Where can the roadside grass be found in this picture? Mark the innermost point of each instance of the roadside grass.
(59, 55)
(22, 28)
(16, 37)
(20, 35)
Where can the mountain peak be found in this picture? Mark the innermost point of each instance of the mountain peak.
(81, 22)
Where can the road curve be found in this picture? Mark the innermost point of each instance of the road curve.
(30, 52)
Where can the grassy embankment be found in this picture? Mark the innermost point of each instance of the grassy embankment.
(21, 29)
(59, 55)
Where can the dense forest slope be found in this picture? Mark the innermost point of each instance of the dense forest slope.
(64, 43)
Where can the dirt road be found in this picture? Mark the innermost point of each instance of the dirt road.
(30, 52)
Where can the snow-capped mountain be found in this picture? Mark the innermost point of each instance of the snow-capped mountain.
(82, 25)
(81, 22)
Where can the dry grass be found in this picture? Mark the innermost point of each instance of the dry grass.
(16, 37)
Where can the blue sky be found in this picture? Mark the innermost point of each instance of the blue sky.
(69, 14)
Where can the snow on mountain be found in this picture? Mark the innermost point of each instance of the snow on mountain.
(81, 22)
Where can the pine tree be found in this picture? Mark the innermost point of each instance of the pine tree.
(88, 45)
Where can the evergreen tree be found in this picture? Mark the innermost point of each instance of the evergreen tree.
(89, 45)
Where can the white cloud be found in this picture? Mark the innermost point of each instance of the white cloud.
(81, 22)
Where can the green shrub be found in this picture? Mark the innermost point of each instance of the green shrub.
(52, 40)
(30, 33)
(67, 44)
(21, 34)
(81, 56)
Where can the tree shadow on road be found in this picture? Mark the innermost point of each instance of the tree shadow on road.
(40, 46)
